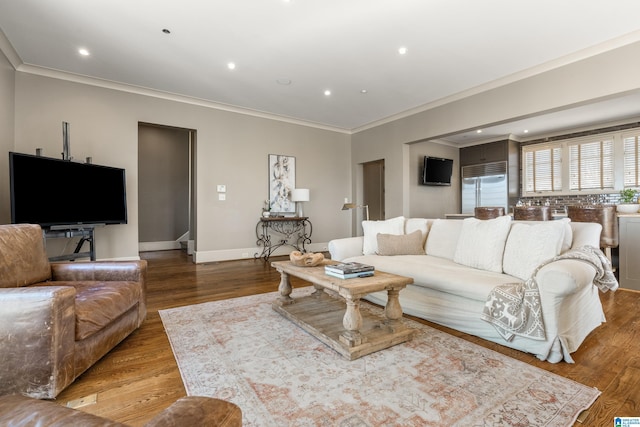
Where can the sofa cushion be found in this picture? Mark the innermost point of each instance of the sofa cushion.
(481, 243)
(443, 238)
(567, 240)
(372, 228)
(528, 245)
(24, 260)
(99, 303)
(404, 244)
(440, 274)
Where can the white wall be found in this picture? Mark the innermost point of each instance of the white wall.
(609, 74)
(7, 80)
(232, 149)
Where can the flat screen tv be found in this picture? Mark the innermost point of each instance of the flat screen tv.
(52, 192)
(436, 171)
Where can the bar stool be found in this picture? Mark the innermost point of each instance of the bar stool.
(488, 212)
(604, 215)
(532, 213)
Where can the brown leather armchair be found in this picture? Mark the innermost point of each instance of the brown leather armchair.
(58, 319)
(21, 411)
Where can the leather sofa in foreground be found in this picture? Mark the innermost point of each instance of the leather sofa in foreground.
(58, 319)
(21, 411)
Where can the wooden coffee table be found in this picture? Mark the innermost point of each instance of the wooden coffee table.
(350, 332)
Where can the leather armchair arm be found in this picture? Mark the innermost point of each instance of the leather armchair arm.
(198, 411)
(37, 328)
(105, 271)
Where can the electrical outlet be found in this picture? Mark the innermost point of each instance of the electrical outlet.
(222, 196)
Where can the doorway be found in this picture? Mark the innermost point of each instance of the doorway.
(373, 188)
(166, 216)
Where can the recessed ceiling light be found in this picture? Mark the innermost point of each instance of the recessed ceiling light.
(403, 50)
(83, 52)
(284, 82)
(231, 65)
(479, 131)
(327, 92)
(526, 131)
(363, 91)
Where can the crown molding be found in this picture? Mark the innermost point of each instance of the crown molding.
(9, 52)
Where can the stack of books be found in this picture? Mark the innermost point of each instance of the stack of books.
(349, 270)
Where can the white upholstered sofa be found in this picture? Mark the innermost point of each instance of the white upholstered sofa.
(457, 264)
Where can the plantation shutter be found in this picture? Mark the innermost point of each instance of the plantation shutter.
(591, 165)
(631, 174)
(542, 168)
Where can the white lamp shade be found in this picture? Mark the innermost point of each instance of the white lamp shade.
(300, 195)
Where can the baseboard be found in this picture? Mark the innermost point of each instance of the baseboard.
(158, 246)
(244, 253)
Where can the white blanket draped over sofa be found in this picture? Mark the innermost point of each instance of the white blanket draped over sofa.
(459, 264)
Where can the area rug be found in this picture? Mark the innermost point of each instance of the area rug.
(242, 351)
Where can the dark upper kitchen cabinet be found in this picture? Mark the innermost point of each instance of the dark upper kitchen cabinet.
(497, 166)
(485, 153)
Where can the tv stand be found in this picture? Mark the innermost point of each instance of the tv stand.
(86, 234)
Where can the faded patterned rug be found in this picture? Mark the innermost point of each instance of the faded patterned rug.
(242, 351)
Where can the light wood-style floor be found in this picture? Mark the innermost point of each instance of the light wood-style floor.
(139, 377)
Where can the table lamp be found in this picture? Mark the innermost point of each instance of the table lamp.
(299, 195)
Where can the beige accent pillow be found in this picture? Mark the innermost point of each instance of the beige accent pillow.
(372, 228)
(405, 244)
(481, 243)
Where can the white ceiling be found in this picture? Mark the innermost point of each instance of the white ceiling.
(346, 46)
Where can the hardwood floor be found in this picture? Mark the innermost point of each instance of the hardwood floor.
(139, 377)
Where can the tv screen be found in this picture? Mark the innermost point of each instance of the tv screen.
(436, 171)
(52, 192)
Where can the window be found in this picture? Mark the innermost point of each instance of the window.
(542, 165)
(591, 165)
(599, 163)
(631, 169)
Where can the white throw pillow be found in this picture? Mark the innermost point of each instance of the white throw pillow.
(413, 224)
(372, 228)
(481, 243)
(528, 246)
(443, 238)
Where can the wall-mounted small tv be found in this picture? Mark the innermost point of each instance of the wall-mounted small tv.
(436, 171)
(52, 192)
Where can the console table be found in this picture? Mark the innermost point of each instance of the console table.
(274, 232)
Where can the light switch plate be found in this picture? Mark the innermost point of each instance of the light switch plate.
(222, 188)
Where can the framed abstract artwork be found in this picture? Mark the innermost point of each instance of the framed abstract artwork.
(282, 180)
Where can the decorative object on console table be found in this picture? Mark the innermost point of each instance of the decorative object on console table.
(299, 196)
(282, 180)
(291, 231)
(348, 206)
(628, 203)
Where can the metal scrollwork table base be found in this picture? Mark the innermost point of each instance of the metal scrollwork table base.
(274, 232)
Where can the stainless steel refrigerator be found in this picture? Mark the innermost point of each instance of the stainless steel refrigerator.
(485, 185)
